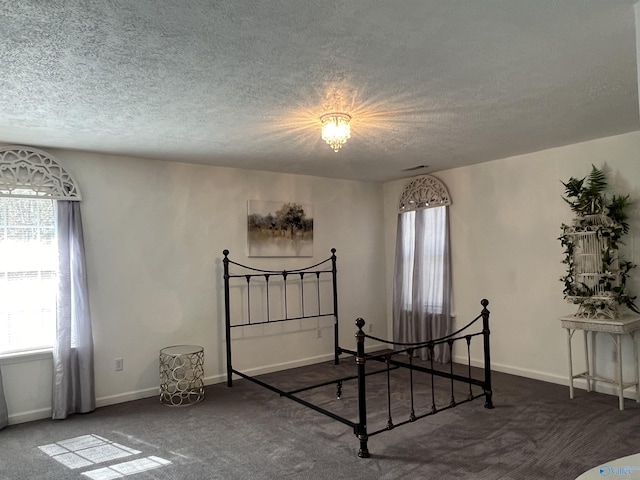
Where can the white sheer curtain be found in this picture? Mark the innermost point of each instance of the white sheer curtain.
(73, 375)
(4, 414)
(422, 303)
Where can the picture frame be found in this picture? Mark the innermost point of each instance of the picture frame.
(279, 229)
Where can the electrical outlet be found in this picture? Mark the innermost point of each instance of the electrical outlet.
(119, 364)
(370, 328)
(318, 332)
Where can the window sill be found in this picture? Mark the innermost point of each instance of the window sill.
(29, 356)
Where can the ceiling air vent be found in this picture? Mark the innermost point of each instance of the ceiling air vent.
(417, 167)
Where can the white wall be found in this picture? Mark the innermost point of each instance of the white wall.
(505, 221)
(154, 235)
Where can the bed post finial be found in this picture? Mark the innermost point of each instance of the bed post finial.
(333, 251)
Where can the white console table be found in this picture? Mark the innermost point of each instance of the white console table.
(628, 324)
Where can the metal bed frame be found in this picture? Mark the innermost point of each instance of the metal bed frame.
(327, 268)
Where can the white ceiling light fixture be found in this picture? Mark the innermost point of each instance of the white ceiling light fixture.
(336, 129)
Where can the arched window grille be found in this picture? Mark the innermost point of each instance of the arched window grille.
(28, 172)
(425, 191)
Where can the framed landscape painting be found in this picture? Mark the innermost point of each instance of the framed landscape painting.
(280, 229)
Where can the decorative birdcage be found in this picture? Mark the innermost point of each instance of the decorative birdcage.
(595, 267)
(596, 274)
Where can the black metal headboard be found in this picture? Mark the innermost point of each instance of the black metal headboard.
(246, 274)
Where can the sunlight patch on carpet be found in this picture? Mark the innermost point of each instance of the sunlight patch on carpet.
(128, 468)
(91, 450)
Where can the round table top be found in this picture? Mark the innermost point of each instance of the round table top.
(176, 350)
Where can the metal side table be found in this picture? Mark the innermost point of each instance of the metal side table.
(627, 324)
(181, 375)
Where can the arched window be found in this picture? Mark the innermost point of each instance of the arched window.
(422, 304)
(42, 272)
(30, 181)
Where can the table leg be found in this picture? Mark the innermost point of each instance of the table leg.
(586, 359)
(635, 364)
(569, 334)
(618, 341)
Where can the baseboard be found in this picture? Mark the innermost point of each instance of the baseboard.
(222, 377)
(521, 372)
(105, 401)
(219, 378)
(126, 397)
(43, 413)
(580, 383)
(276, 367)
(30, 416)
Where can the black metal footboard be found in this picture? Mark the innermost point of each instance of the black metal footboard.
(391, 359)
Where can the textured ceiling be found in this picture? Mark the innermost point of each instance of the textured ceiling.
(243, 83)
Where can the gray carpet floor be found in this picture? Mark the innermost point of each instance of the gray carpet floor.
(248, 432)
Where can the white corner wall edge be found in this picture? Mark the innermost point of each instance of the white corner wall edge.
(298, 363)
(40, 414)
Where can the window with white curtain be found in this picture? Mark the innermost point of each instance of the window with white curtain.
(422, 297)
(44, 300)
(431, 256)
(28, 271)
